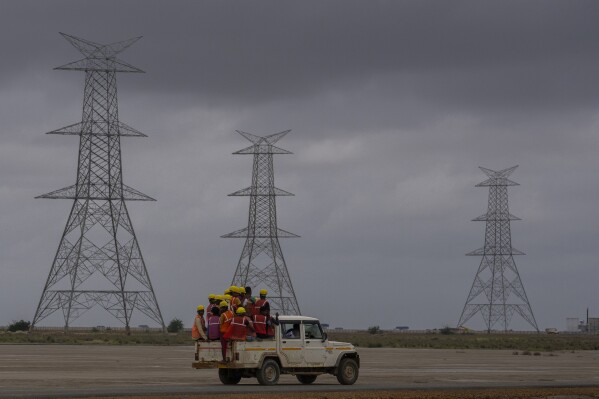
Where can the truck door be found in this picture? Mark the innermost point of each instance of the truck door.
(314, 348)
(291, 342)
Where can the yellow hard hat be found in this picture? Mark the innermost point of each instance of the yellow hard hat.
(241, 290)
(227, 291)
(223, 304)
(227, 297)
(240, 310)
(263, 292)
(234, 289)
(201, 307)
(219, 297)
(211, 296)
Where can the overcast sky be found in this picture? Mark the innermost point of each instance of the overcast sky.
(393, 106)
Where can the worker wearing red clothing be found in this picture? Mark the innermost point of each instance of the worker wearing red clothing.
(198, 330)
(242, 328)
(226, 317)
(264, 324)
(262, 302)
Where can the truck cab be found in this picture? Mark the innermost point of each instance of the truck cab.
(300, 347)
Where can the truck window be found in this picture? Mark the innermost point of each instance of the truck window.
(290, 330)
(312, 330)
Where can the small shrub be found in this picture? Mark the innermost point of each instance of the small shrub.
(374, 330)
(175, 326)
(20, 325)
(446, 330)
(527, 353)
(537, 354)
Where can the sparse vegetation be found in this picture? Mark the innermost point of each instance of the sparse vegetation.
(519, 344)
(515, 342)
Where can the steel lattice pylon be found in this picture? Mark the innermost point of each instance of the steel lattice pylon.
(262, 264)
(98, 261)
(497, 291)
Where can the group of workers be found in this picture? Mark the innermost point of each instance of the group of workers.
(234, 316)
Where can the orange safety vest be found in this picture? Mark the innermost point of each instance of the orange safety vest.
(195, 333)
(225, 321)
(235, 303)
(238, 329)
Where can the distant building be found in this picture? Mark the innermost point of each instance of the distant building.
(593, 325)
(572, 324)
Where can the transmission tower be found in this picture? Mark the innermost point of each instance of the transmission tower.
(98, 261)
(497, 291)
(262, 264)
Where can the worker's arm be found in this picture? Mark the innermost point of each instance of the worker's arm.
(249, 324)
(198, 323)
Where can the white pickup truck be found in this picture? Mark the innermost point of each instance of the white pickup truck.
(299, 347)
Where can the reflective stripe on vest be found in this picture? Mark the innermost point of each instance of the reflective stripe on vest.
(259, 303)
(238, 328)
(195, 333)
(228, 316)
(260, 324)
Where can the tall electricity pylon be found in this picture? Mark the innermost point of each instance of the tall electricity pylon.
(98, 261)
(262, 264)
(497, 291)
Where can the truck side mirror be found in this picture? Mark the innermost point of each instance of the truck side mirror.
(324, 337)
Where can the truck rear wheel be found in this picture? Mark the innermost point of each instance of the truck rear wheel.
(269, 373)
(306, 379)
(348, 370)
(229, 377)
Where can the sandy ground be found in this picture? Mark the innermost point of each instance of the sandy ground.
(87, 370)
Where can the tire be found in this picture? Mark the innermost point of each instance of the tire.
(229, 377)
(347, 372)
(269, 373)
(306, 379)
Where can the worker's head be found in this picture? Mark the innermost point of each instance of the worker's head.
(211, 298)
(241, 290)
(248, 291)
(227, 291)
(200, 309)
(234, 290)
(263, 293)
(223, 305)
(215, 311)
(240, 310)
(227, 297)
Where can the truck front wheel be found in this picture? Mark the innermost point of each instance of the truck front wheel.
(348, 370)
(229, 377)
(269, 373)
(306, 379)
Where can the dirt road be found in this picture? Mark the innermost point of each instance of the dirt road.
(97, 370)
